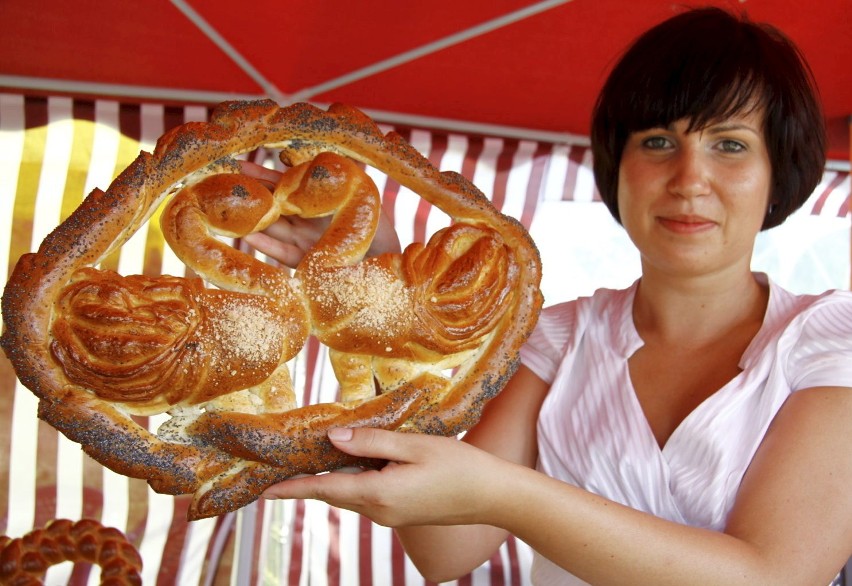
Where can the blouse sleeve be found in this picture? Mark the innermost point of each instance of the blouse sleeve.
(822, 354)
(545, 347)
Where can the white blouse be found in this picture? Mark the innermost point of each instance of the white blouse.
(592, 432)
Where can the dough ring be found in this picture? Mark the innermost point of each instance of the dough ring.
(24, 560)
(419, 341)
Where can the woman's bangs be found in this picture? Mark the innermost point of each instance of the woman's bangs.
(702, 92)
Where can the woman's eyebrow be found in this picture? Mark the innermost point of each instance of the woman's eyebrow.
(729, 127)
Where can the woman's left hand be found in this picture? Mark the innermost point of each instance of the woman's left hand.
(290, 237)
(429, 481)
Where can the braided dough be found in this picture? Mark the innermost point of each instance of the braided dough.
(24, 560)
(419, 341)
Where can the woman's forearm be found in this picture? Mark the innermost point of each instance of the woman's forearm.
(443, 553)
(603, 542)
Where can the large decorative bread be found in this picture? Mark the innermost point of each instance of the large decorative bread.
(420, 340)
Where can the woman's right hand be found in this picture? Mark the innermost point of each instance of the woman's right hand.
(430, 480)
(290, 237)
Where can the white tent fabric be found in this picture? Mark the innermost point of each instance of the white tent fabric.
(54, 150)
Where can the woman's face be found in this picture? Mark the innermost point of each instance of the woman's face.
(693, 202)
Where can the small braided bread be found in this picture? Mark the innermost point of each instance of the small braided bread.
(24, 560)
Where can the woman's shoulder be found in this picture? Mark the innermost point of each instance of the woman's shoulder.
(812, 334)
(832, 309)
(561, 325)
(601, 302)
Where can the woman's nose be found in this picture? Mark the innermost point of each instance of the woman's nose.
(688, 174)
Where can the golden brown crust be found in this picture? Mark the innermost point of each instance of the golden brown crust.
(96, 347)
(24, 560)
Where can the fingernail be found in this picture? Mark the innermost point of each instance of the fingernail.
(341, 434)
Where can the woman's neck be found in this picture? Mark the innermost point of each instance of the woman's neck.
(697, 309)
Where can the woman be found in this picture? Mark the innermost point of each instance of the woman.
(692, 428)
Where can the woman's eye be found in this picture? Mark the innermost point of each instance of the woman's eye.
(656, 142)
(731, 146)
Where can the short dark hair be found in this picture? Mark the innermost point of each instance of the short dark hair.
(704, 65)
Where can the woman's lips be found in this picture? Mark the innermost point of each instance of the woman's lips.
(685, 224)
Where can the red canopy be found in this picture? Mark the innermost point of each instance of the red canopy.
(524, 67)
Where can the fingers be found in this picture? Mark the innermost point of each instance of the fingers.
(302, 232)
(332, 487)
(365, 442)
(267, 176)
(381, 444)
(299, 234)
(287, 254)
(386, 240)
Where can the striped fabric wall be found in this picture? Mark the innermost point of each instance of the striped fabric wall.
(53, 151)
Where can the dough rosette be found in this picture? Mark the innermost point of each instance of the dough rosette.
(460, 281)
